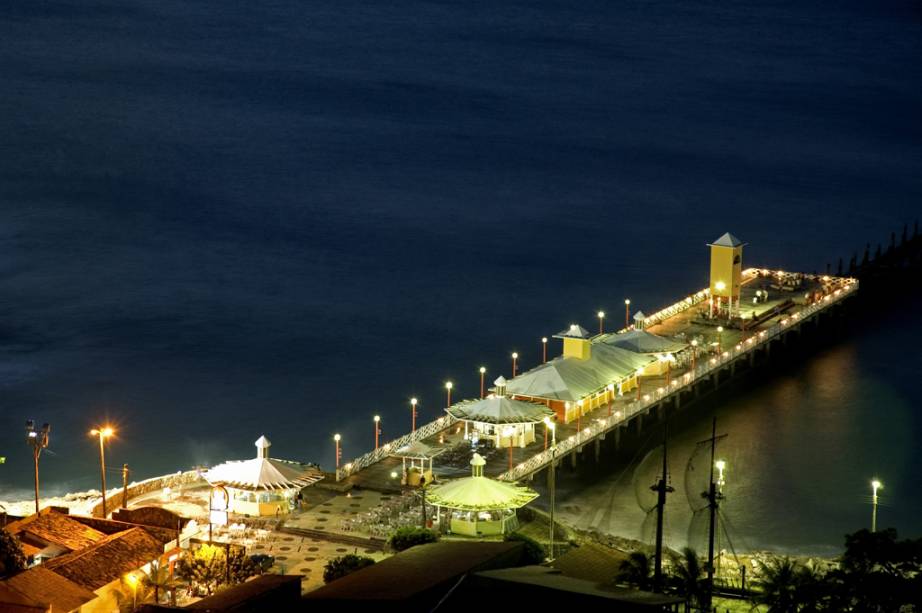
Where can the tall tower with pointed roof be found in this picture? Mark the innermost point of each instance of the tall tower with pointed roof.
(726, 273)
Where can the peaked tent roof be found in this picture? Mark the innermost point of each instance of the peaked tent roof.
(727, 240)
(479, 494)
(574, 331)
(263, 473)
(499, 410)
(641, 341)
(417, 450)
(572, 378)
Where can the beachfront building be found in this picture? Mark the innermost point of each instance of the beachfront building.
(478, 505)
(262, 485)
(419, 456)
(503, 420)
(588, 375)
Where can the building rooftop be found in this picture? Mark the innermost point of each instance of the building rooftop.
(499, 410)
(108, 559)
(571, 379)
(591, 562)
(54, 527)
(727, 240)
(641, 341)
(422, 574)
(44, 587)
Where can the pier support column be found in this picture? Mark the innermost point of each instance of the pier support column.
(732, 368)
(752, 359)
(617, 438)
(661, 411)
(678, 400)
(573, 458)
(597, 450)
(638, 423)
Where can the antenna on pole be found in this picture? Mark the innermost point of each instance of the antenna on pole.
(661, 488)
(713, 497)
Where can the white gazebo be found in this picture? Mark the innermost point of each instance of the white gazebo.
(478, 505)
(505, 421)
(419, 454)
(262, 485)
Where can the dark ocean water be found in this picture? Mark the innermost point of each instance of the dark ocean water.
(224, 219)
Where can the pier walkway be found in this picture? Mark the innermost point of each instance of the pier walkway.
(795, 301)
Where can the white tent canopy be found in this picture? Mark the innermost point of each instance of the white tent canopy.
(263, 472)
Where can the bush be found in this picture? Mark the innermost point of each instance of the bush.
(12, 560)
(344, 565)
(533, 553)
(405, 538)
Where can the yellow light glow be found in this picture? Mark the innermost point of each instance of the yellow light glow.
(377, 418)
(515, 355)
(337, 438)
(720, 286)
(720, 329)
(131, 580)
(627, 301)
(601, 314)
(104, 432)
(413, 401)
(482, 370)
(448, 385)
(393, 475)
(877, 485)
(721, 465)
(543, 339)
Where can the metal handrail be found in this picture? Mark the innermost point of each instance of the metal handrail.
(605, 424)
(367, 459)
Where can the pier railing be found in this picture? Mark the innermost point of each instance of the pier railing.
(372, 457)
(702, 370)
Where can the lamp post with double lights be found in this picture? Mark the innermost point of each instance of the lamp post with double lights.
(38, 440)
(102, 433)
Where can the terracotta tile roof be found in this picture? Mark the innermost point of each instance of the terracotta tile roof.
(42, 586)
(108, 559)
(56, 528)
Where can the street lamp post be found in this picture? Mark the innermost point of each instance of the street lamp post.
(102, 433)
(627, 312)
(413, 402)
(377, 430)
(694, 345)
(875, 485)
(38, 440)
(552, 485)
(339, 451)
(515, 359)
(483, 371)
(601, 316)
(720, 330)
(544, 350)
(611, 397)
(448, 386)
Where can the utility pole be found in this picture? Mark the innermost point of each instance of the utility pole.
(125, 473)
(661, 488)
(552, 487)
(713, 497)
(38, 440)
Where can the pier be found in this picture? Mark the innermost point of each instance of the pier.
(724, 328)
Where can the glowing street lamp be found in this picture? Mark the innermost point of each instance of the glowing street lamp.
(627, 312)
(483, 371)
(549, 425)
(102, 433)
(601, 316)
(413, 402)
(611, 397)
(339, 451)
(132, 582)
(875, 485)
(38, 440)
(694, 345)
(544, 350)
(720, 330)
(448, 386)
(377, 430)
(515, 358)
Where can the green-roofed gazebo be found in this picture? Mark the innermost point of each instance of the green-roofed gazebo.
(503, 420)
(478, 505)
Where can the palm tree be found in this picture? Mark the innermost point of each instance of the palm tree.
(686, 576)
(779, 580)
(158, 579)
(636, 571)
